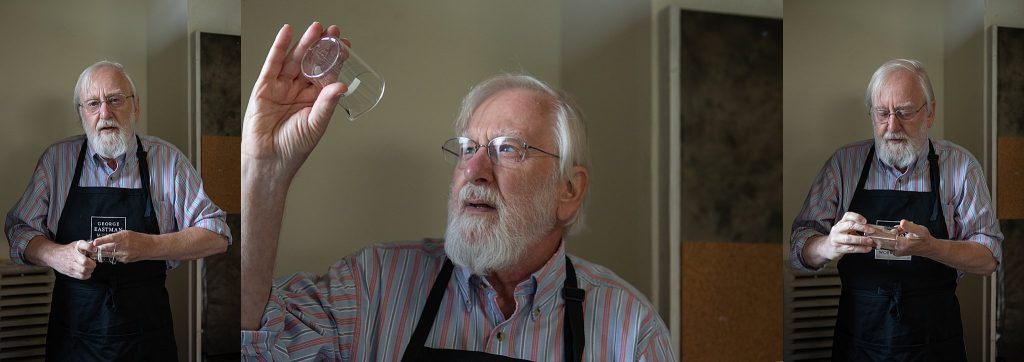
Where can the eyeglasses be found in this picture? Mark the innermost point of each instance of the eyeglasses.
(882, 115)
(115, 101)
(500, 150)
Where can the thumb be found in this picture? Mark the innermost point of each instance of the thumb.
(84, 246)
(326, 103)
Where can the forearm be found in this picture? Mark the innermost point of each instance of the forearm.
(963, 255)
(264, 191)
(39, 250)
(188, 244)
(812, 252)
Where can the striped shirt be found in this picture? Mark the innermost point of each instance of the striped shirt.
(966, 203)
(176, 189)
(367, 306)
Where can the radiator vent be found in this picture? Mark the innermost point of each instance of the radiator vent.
(811, 304)
(24, 311)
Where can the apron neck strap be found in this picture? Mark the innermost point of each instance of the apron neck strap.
(574, 341)
(426, 322)
(933, 171)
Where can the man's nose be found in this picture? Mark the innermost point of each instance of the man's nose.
(105, 111)
(478, 167)
(894, 124)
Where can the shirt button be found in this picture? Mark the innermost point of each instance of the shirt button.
(536, 313)
(501, 336)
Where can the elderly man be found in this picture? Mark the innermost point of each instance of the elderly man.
(500, 287)
(111, 211)
(898, 300)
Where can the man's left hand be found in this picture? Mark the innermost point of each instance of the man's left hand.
(917, 241)
(126, 246)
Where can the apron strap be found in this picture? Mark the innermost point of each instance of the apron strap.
(574, 341)
(426, 322)
(867, 168)
(141, 155)
(933, 171)
(78, 164)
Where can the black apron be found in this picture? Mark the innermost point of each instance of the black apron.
(573, 330)
(897, 310)
(122, 312)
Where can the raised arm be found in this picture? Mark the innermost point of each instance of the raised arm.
(284, 120)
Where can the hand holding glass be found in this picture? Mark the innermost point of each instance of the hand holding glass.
(329, 60)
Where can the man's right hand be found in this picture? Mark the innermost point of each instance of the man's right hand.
(72, 259)
(844, 238)
(287, 115)
(285, 119)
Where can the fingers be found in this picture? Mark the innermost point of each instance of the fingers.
(848, 226)
(294, 61)
(85, 247)
(276, 57)
(854, 217)
(325, 105)
(334, 31)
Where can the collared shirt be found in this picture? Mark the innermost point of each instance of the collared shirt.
(966, 203)
(177, 191)
(367, 305)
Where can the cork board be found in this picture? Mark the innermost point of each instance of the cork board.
(732, 296)
(221, 170)
(1010, 171)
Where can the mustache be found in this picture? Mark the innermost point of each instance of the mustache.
(480, 193)
(896, 136)
(104, 123)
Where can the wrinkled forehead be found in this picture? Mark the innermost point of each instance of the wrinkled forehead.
(520, 113)
(898, 87)
(104, 81)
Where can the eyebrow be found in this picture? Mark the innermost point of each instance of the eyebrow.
(504, 132)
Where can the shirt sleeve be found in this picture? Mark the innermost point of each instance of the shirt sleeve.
(307, 318)
(973, 216)
(822, 208)
(192, 207)
(28, 218)
(655, 343)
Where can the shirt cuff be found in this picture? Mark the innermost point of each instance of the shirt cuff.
(19, 243)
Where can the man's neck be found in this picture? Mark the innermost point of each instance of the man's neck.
(505, 281)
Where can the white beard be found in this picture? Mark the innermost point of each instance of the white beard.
(900, 155)
(483, 244)
(106, 144)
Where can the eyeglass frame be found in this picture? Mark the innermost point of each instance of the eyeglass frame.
(898, 114)
(106, 101)
(491, 151)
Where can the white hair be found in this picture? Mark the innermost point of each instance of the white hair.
(895, 65)
(569, 127)
(86, 78)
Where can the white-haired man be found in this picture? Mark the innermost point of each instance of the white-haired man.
(499, 288)
(111, 211)
(898, 299)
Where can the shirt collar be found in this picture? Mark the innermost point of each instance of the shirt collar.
(542, 284)
(133, 145)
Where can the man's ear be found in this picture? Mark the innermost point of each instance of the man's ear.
(572, 191)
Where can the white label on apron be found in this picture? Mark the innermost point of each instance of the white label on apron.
(105, 225)
(883, 254)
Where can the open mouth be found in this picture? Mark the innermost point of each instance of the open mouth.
(108, 129)
(478, 205)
